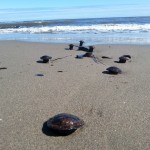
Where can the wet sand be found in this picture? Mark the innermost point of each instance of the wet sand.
(115, 108)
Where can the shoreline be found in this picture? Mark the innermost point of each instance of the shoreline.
(115, 108)
(67, 43)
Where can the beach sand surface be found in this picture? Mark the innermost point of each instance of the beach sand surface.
(115, 108)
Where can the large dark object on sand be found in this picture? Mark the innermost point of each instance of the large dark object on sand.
(46, 58)
(122, 59)
(81, 43)
(90, 49)
(64, 124)
(71, 46)
(114, 70)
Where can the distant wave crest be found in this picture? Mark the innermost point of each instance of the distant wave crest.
(76, 29)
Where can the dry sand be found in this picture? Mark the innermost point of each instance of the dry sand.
(115, 108)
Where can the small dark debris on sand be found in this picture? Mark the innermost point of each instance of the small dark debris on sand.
(113, 70)
(71, 46)
(81, 43)
(2, 68)
(60, 71)
(106, 57)
(45, 58)
(122, 59)
(39, 75)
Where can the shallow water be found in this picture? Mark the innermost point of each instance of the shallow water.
(132, 30)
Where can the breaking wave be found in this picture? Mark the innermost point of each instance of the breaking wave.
(77, 29)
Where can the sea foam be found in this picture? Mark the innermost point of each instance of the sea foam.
(76, 29)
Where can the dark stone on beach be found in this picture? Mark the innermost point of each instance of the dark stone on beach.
(122, 59)
(46, 58)
(81, 43)
(64, 124)
(71, 46)
(114, 70)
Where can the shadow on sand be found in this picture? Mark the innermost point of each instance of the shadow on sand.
(116, 62)
(40, 61)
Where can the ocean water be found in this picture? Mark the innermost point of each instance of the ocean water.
(119, 30)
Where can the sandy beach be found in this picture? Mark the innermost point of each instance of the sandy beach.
(115, 108)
